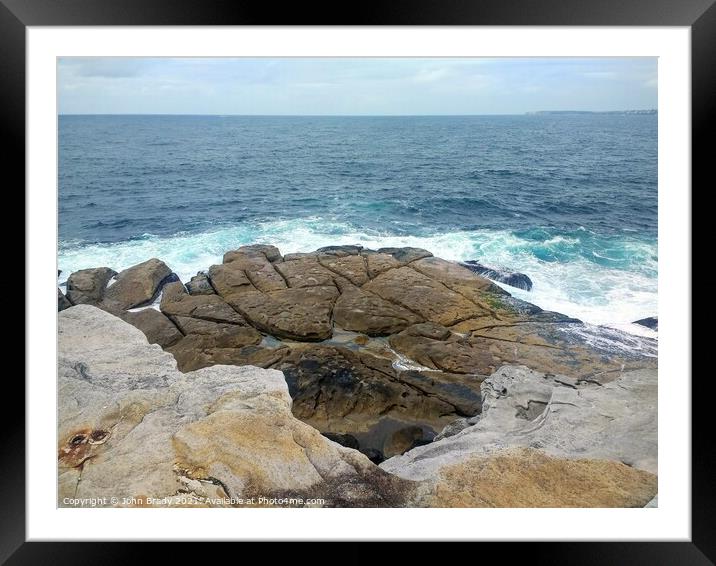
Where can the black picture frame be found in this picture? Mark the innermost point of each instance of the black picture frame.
(699, 15)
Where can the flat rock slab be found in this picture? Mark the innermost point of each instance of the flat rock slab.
(298, 313)
(425, 297)
(405, 255)
(271, 253)
(305, 272)
(359, 310)
(354, 268)
(455, 277)
(524, 408)
(233, 345)
(229, 279)
(378, 263)
(257, 267)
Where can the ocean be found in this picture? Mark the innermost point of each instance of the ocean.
(570, 200)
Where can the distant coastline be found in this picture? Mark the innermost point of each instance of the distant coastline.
(543, 112)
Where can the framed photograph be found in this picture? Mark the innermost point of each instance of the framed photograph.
(423, 275)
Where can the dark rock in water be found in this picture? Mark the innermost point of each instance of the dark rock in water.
(156, 327)
(87, 286)
(62, 301)
(139, 285)
(512, 278)
(650, 322)
(200, 285)
(347, 440)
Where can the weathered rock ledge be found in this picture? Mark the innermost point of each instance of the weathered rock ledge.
(522, 408)
(135, 428)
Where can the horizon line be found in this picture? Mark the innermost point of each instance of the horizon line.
(529, 112)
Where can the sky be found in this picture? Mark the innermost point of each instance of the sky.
(352, 86)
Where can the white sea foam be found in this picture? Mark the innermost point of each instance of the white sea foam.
(613, 340)
(576, 286)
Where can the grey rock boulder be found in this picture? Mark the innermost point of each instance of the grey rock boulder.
(87, 286)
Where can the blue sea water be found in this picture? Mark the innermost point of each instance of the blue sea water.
(571, 200)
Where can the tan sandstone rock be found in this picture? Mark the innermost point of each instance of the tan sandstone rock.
(137, 285)
(132, 427)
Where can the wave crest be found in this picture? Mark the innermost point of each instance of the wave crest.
(599, 279)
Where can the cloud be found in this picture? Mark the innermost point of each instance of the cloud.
(431, 75)
(105, 67)
(601, 75)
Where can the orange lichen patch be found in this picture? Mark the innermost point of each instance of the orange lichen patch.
(525, 477)
(77, 447)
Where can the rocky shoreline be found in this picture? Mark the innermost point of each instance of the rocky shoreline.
(391, 357)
